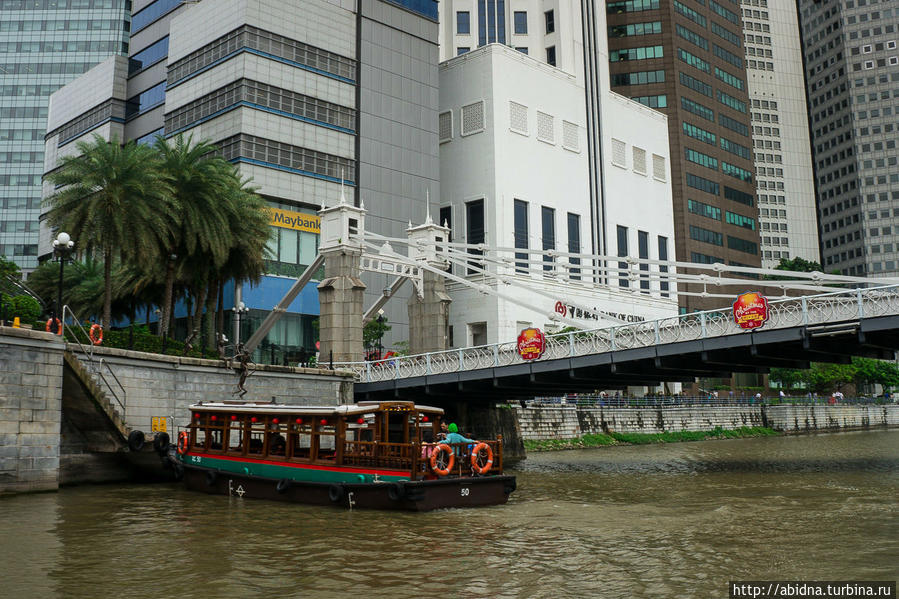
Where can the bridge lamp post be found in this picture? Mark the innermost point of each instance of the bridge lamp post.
(381, 320)
(239, 310)
(62, 247)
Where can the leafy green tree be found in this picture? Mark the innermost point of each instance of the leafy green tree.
(373, 331)
(115, 202)
(798, 264)
(26, 308)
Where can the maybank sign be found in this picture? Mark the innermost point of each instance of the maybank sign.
(299, 221)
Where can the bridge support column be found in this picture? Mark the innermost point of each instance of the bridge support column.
(429, 306)
(340, 293)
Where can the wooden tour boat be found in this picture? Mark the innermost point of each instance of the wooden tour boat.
(383, 455)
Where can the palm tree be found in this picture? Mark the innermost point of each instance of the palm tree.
(199, 183)
(250, 230)
(115, 201)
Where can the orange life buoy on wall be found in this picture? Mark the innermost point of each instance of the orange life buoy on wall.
(49, 327)
(476, 468)
(183, 442)
(436, 460)
(96, 334)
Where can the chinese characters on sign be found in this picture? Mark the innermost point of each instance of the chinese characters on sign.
(531, 344)
(751, 310)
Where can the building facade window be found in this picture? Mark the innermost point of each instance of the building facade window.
(463, 22)
(521, 22)
(550, 18)
(521, 235)
(622, 251)
(475, 232)
(548, 219)
(643, 250)
(551, 55)
(574, 245)
(663, 268)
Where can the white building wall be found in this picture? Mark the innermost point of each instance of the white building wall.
(787, 210)
(513, 160)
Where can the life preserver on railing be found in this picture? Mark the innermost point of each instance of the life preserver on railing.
(475, 454)
(437, 460)
(49, 327)
(96, 334)
(183, 442)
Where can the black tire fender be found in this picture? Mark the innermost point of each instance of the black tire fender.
(178, 470)
(211, 477)
(161, 443)
(283, 485)
(136, 440)
(335, 493)
(396, 491)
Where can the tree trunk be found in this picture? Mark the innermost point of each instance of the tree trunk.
(210, 315)
(167, 300)
(107, 283)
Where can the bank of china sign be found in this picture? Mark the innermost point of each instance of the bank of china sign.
(298, 221)
(750, 310)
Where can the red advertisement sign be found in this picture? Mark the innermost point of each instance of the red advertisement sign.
(531, 344)
(751, 310)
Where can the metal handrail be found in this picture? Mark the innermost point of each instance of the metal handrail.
(827, 308)
(97, 363)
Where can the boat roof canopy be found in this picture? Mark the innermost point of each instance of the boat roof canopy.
(340, 410)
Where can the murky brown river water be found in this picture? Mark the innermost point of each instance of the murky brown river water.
(675, 520)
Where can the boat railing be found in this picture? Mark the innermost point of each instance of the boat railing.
(378, 453)
(462, 463)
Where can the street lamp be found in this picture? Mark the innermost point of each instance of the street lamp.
(239, 310)
(62, 246)
(381, 320)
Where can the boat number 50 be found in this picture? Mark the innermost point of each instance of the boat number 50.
(464, 491)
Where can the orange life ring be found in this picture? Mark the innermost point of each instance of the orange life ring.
(96, 334)
(49, 327)
(183, 442)
(474, 458)
(443, 447)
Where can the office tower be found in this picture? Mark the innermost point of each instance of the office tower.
(686, 60)
(43, 45)
(311, 98)
(788, 221)
(852, 79)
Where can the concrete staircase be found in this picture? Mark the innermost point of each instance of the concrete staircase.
(89, 409)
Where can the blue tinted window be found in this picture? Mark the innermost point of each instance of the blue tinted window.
(149, 55)
(151, 13)
(463, 22)
(521, 22)
(426, 8)
(145, 100)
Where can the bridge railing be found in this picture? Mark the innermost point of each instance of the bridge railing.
(823, 309)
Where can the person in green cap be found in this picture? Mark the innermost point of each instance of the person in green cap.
(453, 437)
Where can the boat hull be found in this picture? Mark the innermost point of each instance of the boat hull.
(421, 495)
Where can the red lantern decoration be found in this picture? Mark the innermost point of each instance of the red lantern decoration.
(197, 415)
(360, 420)
(424, 418)
(274, 421)
(233, 417)
(214, 418)
(324, 421)
(299, 421)
(253, 419)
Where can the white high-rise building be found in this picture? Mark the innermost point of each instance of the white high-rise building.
(537, 155)
(788, 222)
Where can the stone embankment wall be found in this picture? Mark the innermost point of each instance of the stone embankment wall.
(568, 422)
(164, 386)
(30, 409)
(33, 456)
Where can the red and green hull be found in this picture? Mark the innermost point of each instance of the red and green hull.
(353, 487)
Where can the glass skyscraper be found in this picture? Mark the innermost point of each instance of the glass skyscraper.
(44, 44)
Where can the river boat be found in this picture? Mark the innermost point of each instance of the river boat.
(382, 455)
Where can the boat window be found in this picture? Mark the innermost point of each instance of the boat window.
(235, 436)
(277, 442)
(216, 431)
(256, 437)
(327, 440)
(200, 439)
(300, 438)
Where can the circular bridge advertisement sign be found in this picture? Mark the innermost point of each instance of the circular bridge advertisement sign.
(531, 344)
(751, 310)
